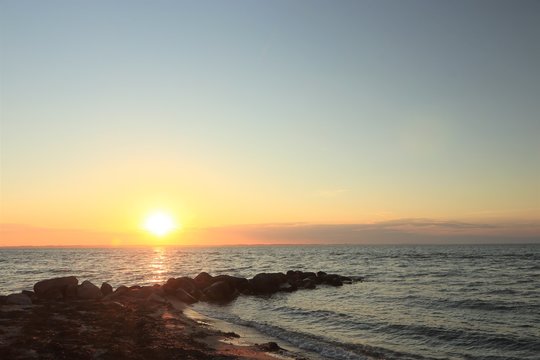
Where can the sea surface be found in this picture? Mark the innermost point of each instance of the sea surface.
(417, 302)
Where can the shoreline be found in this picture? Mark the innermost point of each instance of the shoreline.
(128, 327)
(62, 319)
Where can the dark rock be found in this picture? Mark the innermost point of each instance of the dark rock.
(87, 290)
(321, 274)
(203, 280)
(121, 289)
(309, 283)
(334, 280)
(267, 283)
(220, 291)
(53, 288)
(18, 299)
(106, 289)
(184, 296)
(185, 283)
(269, 347)
(238, 283)
(308, 275)
(30, 294)
(70, 292)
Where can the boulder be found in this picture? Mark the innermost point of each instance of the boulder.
(18, 299)
(267, 283)
(334, 280)
(3, 299)
(30, 294)
(87, 290)
(186, 283)
(308, 275)
(70, 292)
(184, 296)
(309, 283)
(220, 291)
(156, 298)
(106, 289)
(121, 289)
(54, 288)
(203, 280)
(239, 283)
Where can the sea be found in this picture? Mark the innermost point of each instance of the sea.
(416, 302)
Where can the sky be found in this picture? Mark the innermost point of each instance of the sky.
(270, 121)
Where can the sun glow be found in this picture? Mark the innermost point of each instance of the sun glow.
(159, 223)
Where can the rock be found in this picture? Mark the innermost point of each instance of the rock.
(220, 291)
(87, 290)
(269, 347)
(121, 289)
(334, 280)
(3, 299)
(30, 294)
(238, 283)
(156, 298)
(321, 274)
(18, 299)
(267, 283)
(203, 280)
(308, 275)
(106, 289)
(54, 288)
(70, 292)
(184, 296)
(309, 283)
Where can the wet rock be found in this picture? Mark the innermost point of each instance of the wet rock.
(220, 291)
(18, 299)
(333, 280)
(239, 283)
(267, 283)
(87, 290)
(269, 347)
(203, 280)
(54, 288)
(156, 298)
(121, 289)
(30, 294)
(3, 299)
(70, 292)
(309, 283)
(184, 296)
(308, 275)
(106, 289)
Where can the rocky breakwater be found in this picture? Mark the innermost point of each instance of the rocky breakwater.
(224, 288)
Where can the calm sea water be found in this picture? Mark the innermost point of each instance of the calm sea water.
(418, 302)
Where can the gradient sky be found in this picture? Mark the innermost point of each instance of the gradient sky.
(257, 112)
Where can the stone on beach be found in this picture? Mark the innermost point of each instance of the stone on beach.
(267, 283)
(220, 291)
(53, 289)
(18, 299)
(203, 280)
(106, 289)
(184, 296)
(87, 290)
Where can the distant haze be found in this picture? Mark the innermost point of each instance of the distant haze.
(335, 121)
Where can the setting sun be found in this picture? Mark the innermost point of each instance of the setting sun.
(159, 223)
